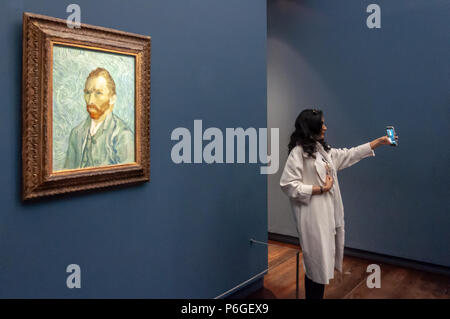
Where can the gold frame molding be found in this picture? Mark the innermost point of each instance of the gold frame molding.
(40, 34)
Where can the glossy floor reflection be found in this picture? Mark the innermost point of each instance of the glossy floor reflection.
(396, 282)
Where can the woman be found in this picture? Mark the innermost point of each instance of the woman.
(310, 181)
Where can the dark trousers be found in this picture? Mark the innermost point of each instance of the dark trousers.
(313, 290)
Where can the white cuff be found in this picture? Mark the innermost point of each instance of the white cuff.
(366, 150)
(307, 189)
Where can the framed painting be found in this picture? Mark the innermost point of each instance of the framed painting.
(85, 107)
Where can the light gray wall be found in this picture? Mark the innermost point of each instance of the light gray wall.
(321, 54)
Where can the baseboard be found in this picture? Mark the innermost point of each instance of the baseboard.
(284, 238)
(398, 261)
(376, 257)
(245, 288)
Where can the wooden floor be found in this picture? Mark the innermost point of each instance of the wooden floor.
(396, 282)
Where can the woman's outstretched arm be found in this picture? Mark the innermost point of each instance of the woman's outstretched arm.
(343, 157)
(384, 140)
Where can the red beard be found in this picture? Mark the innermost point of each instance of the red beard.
(96, 112)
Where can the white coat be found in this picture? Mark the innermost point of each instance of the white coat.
(319, 218)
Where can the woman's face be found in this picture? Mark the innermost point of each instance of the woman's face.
(322, 131)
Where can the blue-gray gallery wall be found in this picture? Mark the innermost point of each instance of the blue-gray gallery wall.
(186, 232)
(321, 54)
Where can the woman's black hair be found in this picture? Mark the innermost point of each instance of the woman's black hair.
(308, 125)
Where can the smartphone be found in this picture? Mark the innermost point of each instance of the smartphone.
(390, 131)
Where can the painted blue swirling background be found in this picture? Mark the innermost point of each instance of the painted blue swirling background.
(71, 66)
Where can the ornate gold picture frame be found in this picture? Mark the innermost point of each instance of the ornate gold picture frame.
(85, 107)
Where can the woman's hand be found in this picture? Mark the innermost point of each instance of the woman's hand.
(328, 183)
(384, 140)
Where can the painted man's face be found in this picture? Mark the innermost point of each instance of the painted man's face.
(97, 96)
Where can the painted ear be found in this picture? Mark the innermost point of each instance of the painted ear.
(112, 99)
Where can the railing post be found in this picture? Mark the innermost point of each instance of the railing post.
(296, 282)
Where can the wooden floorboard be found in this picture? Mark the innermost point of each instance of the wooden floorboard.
(396, 282)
